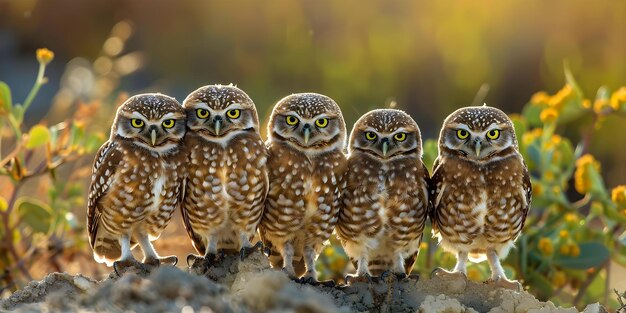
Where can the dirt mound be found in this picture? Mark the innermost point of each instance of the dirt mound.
(251, 286)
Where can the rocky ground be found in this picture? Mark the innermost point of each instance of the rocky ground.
(252, 286)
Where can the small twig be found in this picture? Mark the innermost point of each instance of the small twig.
(586, 285)
(481, 94)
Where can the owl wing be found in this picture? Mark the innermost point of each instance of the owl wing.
(528, 188)
(197, 241)
(434, 183)
(410, 260)
(107, 159)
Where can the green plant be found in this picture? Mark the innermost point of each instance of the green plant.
(32, 228)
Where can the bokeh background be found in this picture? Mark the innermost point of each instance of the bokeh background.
(425, 57)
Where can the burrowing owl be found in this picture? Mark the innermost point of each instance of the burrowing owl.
(306, 165)
(135, 186)
(480, 189)
(386, 196)
(226, 180)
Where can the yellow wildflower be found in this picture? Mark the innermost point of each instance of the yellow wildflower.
(574, 250)
(600, 105)
(563, 233)
(618, 195)
(564, 249)
(545, 246)
(44, 56)
(549, 115)
(540, 98)
(571, 218)
(537, 190)
(582, 177)
(423, 246)
(3, 204)
(556, 189)
(559, 279)
(618, 97)
(557, 100)
(586, 104)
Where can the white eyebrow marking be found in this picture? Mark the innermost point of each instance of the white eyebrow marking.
(138, 115)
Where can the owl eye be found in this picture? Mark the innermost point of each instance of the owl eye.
(292, 120)
(168, 123)
(202, 113)
(400, 136)
(322, 122)
(462, 134)
(233, 113)
(493, 134)
(137, 123)
(371, 136)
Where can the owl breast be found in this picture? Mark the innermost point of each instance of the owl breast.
(226, 186)
(480, 207)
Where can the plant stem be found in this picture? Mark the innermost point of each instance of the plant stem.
(33, 91)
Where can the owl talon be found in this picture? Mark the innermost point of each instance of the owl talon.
(197, 264)
(122, 267)
(170, 259)
(505, 283)
(365, 278)
(386, 274)
(415, 277)
(440, 272)
(247, 251)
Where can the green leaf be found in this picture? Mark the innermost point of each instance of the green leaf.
(37, 136)
(35, 214)
(531, 112)
(592, 254)
(5, 98)
(540, 285)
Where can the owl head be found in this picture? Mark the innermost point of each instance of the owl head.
(151, 121)
(477, 134)
(308, 121)
(218, 112)
(386, 134)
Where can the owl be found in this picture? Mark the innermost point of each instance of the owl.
(306, 167)
(480, 190)
(386, 195)
(226, 181)
(135, 186)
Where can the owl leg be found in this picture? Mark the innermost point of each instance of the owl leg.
(397, 270)
(460, 269)
(151, 257)
(288, 260)
(362, 271)
(246, 246)
(310, 277)
(126, 260)
(497, 273)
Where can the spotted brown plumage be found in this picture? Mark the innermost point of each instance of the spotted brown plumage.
(137, 174)
(226, 180)
(386, 196)
(306, 169)
(481, 189)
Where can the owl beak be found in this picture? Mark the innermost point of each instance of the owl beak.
(477, 147)
(307, 134)
(218, 126)
(385, 147)
(153, 137)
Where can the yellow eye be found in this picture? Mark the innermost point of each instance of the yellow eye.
(292, 120)
(233, 113)
(371, 136)
(493, 134)
(462, 134)
(137, 123)
(202, 113)
(168, 123)
(322, 122)
(400, 136)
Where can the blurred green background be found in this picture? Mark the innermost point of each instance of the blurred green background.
(425, 57)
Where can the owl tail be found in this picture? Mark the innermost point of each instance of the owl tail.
(106, 250)
(106, 247)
